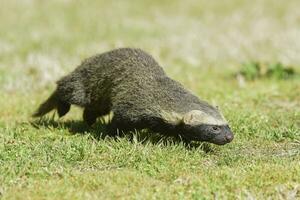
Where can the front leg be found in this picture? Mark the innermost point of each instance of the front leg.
(124, 122)
(118, 127)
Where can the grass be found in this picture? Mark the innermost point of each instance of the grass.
(199, 43)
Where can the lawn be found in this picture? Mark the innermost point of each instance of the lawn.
(202, 44)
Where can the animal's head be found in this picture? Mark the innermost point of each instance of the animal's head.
(207, 126)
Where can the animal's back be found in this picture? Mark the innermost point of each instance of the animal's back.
(108, 75)
(126, 77)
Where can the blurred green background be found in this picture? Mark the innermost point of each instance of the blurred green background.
(45, 39)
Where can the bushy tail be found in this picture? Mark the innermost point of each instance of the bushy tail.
(53, 102)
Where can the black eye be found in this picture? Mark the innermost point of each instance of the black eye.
(216, 129)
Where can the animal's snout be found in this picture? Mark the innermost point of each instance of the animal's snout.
(229, 137)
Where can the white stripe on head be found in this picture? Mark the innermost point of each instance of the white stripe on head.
(171, 117)
(198, 117)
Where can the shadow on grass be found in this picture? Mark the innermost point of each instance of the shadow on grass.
(99, 131)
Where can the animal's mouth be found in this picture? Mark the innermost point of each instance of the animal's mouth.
(220, 139)
(223, 139)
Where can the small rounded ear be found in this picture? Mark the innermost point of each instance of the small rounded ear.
(193, 117)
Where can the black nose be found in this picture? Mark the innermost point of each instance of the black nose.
(229, 137)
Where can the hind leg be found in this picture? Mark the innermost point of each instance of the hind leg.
(62, 108)
(90, 114)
